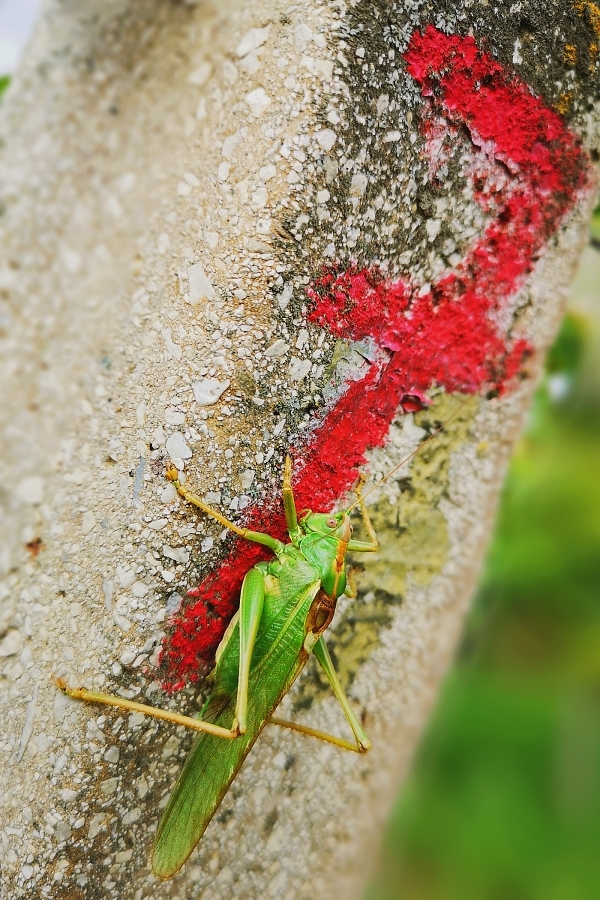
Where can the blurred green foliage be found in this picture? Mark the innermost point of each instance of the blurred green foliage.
(595, 227)
(503, 802)
(4, 83)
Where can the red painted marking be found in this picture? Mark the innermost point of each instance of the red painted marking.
(527, 169)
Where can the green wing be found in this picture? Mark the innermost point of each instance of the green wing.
(214, 762)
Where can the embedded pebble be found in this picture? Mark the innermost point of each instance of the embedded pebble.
(109, 786)
(158, 524)
(169, 494)
(173, 349)
(31, 490)
(158, 437)
(432, 227)
(201, 75)
(299, 368)
(206, 392)
(132, 816)
(88, 522)
(63, 831)
(258, 100)
(326, 138)
(11, 643)
(112, 754)
(200, 285)
(174, 417)
(177, 447)
(207, 543)
(179, 554)
(229, 144)
(252, 40)
(246, 478)
(278, 348)
(121, 622)
(96, 824)
(265, 173)
(125, 576)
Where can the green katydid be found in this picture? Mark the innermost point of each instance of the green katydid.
(285, 606)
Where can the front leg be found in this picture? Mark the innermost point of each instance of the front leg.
(371, 546)
(289, 504)
(256, 536)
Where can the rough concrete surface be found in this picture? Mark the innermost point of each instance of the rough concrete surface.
(229, 230)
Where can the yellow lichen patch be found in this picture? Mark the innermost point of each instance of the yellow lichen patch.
(563, 104)
(570, 55)
(594, 14)
(413, 547)
(593, 11)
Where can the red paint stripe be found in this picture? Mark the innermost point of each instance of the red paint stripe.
(447, 337)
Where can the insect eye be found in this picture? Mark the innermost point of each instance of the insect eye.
(331, 523)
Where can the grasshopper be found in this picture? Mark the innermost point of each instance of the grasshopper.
(285, 606)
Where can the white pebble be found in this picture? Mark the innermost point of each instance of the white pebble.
(299, 368)
(358, 185)
(169, 494)
(259, 198)
(158, 437)
(265, 173)
(206, 392)
(121, 622)
(326, 138)
(177, 446)
(246, 478)
(158, 524)
(173, 349)
(127, 657)
(302, 35)
(11, 643)
(178, 554)
(88, 522)
(252, 40)
(201, 75)
(258, 100)
(174, 417)
(278, 348)
(31, 490)
(432, 227)
(125, 575)
(200, 285)
(229, 144)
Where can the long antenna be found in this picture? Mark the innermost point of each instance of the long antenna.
(410, 456)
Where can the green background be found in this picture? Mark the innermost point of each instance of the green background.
(503, 801)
